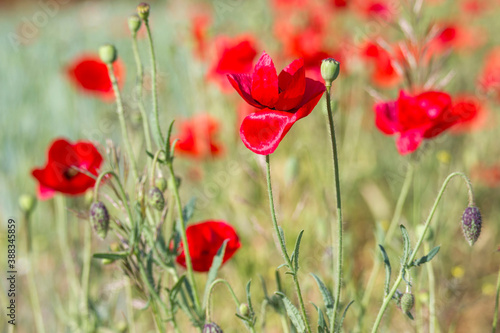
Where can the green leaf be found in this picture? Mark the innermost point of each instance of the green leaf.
(427, 257)
(293, 313)
(387, 264)
(167, 141)
(322, 325)
(296, 252)
(176, 288)
(214, 268)
(339, 327)
(111, 256)
(410, 315)
(249, 296)
(188, 210)
(327, 296)
(406, 243)
(150, 154)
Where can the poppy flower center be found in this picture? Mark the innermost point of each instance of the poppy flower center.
(70, 173)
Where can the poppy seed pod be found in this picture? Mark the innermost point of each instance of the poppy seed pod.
(134, 23)
(330, 69)
(471, 224)
(156, 198)
(143, 10)
(211, 328)
(407, 302)
(108, 53)
(161, 183)
(99, 218)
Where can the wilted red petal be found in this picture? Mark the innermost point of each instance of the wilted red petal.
(261, 132)
(265, 88)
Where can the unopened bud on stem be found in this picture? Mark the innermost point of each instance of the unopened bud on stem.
(99, 218)
(134, 23)
(471, 224)
(108, 53)
(143, 11)
(330, 69)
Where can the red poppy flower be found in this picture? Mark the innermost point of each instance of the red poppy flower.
(415, 118)
(90, 75)
(196, 137)
(282, 101)
(384, 74)
(233, 56)
(199, 30)
(490, 76)
(204, 240)
(380, 9)
(456, 37)
(60, 175)
(471, 112)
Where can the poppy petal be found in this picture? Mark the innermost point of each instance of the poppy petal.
(242, 83)
(385, 117)
(409, 141)
(312, 95)
(292, 83)
(265, 88)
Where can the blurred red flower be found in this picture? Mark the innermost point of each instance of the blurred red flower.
(456, 37)
(233, 55)
(486, 175)
(416, 118)
(196, 137)
(201, 23)
(60, 175)
(90, 75)
(383, 73)
(282, 101)
(205, 239)
(471, 113)
(381, 9)
(490, 77)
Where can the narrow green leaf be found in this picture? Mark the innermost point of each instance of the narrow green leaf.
(293, 313)
(296, 252)
(406, 245)
(188, 210)
(387, 264)
(410, 315)
(427, 257)
(176, 288)
(326, 294)
(111, 256)
(167, 141)
(322, 326)
(150, 154)
(249, 296)
(339, 327)
(214, 268)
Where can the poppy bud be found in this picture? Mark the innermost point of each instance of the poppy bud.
(330, 69)
(161, 183)
(108, 53)
(471, 224)
(143, 11)
(27, 203)
(244, 310)
(134, 23)
(156, 198)
(99, 218)
(407, 302)
(211, 328)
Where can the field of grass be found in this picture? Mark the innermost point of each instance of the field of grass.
(455, 292)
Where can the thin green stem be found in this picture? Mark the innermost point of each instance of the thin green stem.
(389, 296)
(182, 230)
(123, 125)
(32, 288)
(495, 316)
(283, 247)
(209, 298)
(156, 121)
(130, 310)
(156, 299)
(87, 248)
(432, 293)
(139, 88)
(340, 254)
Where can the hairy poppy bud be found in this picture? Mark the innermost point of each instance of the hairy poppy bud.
(134, 23)
(330, 69)
(143, 10)
(211, 328)
(156, 199)
(407, 302)
(471, 224)
(108, 53)
(27, 203)
(244, 310)
(99, 218)
(161, 183)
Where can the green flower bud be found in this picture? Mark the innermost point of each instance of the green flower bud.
(27, 203)
(134, 23)
(161, 183)
(143, 10)
(211, 328)
(244, 310)
(156, 198)
(407, 302)
(99, 218)
(330, 69)
(108, 53)
(471, 224)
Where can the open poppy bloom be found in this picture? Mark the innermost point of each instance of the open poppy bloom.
(282, 101)
(196, 137)
(384, 74)
(60, 174)
(205, 239)
(90, 75)
(415, 118)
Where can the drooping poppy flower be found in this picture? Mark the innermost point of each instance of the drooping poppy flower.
(471, 113)
(415, 118)
(60, 174)
(233, 56)
(205, 239)
(384, 73)
(90, 75)
(197, 137)
(282, 101)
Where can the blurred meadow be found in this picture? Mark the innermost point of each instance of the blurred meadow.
(39, 103)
